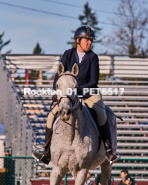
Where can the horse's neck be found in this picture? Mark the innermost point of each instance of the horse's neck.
(77, 117)
(74, 124)
(78, 121)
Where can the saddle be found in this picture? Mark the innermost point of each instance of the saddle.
(94, 116)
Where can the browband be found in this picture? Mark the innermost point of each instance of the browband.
(66, 74)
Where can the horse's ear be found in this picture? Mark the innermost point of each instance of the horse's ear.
(60, 68)
(75, 70)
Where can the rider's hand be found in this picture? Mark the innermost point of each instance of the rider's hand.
(54, 98)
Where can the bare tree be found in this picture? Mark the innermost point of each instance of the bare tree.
(129, 34)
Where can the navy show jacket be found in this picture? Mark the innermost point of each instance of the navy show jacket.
(88, 68)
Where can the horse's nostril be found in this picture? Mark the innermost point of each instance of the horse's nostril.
(61, 112)
(69, 112)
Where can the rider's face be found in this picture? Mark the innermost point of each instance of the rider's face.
(84, 44)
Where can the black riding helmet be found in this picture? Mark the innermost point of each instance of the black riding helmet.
(84, 32)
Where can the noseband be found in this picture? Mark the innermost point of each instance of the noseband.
(72, 101)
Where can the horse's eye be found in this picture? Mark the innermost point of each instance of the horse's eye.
(56, 86)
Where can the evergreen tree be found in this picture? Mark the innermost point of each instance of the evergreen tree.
(37, 49)
(37, 75)
(90, 19)
(2, 43)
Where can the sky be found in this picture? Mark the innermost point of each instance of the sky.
(27, 27)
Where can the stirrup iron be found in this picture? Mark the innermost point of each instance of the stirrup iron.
(117, 155)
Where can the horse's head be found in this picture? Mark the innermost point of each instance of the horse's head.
(66, 83)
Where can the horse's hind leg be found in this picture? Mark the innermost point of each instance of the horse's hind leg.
(81, 177)
(105, 172)
(56, 175)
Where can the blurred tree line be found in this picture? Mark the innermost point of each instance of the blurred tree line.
(128, 36)
(129, 31)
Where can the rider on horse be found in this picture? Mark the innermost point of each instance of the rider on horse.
(88, 77)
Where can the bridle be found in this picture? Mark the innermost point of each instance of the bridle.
(70, 74)
(73, 101)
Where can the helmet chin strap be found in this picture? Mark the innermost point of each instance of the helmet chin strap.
(80, 45)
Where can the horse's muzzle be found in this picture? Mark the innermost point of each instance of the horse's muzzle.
(65, 115)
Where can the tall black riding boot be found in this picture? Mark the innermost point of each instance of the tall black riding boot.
(106, 136)
(45, 157)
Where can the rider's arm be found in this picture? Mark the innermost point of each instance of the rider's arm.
(94, 74)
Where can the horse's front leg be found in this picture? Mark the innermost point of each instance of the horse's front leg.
(105, 172)
(81, 177)
(57, 174)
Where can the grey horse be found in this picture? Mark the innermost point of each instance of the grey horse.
(75, 140)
